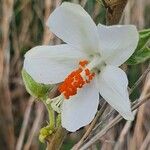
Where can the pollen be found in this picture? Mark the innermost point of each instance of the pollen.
(75, 80)
(83, 63)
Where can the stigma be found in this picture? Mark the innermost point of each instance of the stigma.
(76, 80)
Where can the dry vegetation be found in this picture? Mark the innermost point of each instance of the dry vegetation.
(21, 28)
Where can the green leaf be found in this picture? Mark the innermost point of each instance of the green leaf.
(89, 6)
(144, 31)
(141, 56)
(144, 38)
(35, 89)
(142, 52)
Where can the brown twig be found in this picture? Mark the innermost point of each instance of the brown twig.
(146, 141)
(55, 141)
(112, 123)
(114, 10)
(128, 124)
(24, 124)
(36, 125)
(7, 136)
(123, 133)
(141, 118)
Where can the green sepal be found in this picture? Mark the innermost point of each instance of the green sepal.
(142, 52)
(45, 132)
(37, 90)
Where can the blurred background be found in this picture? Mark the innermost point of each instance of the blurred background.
(22, 26)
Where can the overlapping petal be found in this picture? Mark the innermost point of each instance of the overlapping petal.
(117, 43)
(80, 109)
(112, 84)
(73, 25)
(51, 64)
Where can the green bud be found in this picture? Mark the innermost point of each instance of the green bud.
(45, 132)
(35, 89)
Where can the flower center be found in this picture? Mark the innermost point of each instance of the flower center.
(76, 79)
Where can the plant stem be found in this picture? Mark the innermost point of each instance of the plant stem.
(51, 116)
(56, 140)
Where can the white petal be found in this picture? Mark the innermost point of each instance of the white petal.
(73, 25)
(112, 84)
(51, 64)
(81, 108)
(117, 43)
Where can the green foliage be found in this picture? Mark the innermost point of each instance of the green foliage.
(142, 52)
(140, 56)
(90, 6)
(144, 38)
(134, 74)
(35, 89)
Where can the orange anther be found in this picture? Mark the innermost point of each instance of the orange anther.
(87, 72)
(90, 78)
(87, 81)
(83, 63)
(93, 74)
(74, 81)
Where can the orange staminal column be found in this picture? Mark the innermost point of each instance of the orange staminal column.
(75, 80)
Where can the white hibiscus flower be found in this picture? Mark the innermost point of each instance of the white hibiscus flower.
(92, 54)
